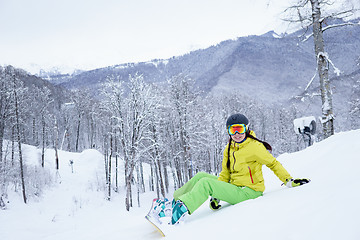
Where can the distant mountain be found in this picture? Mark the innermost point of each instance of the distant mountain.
(267, 67)
(56, 76)
(58, 93)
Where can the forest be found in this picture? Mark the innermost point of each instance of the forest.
(175, 128)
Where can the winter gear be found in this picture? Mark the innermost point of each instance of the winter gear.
(236, 119)
(237, 128)
(246, 160)
(198, 189)
(160, 208)
(214, 204)
(154, 211)
(296, 182)
(166, 208)
(179, 212)
(156, 224)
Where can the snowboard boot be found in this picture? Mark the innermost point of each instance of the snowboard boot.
(160, 208)
(179, 212)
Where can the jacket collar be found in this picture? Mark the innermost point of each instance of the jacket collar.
(239, 144)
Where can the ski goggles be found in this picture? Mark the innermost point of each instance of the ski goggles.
(237, 128)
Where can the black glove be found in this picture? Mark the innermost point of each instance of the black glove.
(214, 204)
(296, 182)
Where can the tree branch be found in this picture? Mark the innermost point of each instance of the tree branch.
(337, 25)
(329, 27)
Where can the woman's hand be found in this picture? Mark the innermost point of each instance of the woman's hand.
(214, 204)
(296, 182)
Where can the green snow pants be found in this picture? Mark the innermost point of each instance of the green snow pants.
(198, 189)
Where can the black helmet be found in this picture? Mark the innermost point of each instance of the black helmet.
(236, 119)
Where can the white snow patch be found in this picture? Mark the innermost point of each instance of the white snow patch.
(326, 208)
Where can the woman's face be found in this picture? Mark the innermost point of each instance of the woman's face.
(237, 137)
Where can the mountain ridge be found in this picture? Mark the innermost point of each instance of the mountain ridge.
(271, 70)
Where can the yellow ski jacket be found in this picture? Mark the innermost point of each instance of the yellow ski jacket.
(246, 160)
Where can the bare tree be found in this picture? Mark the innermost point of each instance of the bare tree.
(10, 71)
(354, 114)
(182, 99)
(314, 13)
(131, 104)
(40, 106)
(5, 105)
(56, 144)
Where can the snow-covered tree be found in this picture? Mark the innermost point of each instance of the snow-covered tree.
(314, 14)
(40, 110)
(182, 99)
(17, 89)
(5, 107)
(354, 114)
(132, 104)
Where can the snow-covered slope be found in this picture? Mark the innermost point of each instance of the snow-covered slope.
(327, 208)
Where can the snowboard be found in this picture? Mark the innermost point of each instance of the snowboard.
(160, 207)
(157, 225)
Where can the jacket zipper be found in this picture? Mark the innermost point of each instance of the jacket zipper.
(252, 180)
(234, 161)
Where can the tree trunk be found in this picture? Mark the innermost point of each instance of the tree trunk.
(128, 200)
(12, 146)
(178, 172)
(109, 169)
(56, 146)
(129, 169)
(43, 143)
(128, 195)
(166, 178)
(161, 181)
(2, 130)
(116, 171)
(34, 133)
(138, 182)
(327, 117)
(77, 135)
(19, 144)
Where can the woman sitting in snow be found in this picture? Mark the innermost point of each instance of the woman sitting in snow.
(241, 177)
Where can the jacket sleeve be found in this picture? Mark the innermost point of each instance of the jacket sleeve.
(224, 174)
(266, 158)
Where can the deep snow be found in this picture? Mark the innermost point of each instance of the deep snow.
(327, 208)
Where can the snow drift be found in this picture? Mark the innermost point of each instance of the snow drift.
(326, 208)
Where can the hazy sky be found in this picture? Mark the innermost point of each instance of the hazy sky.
(88, 34)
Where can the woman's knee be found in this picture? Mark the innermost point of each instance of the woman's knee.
(206, 183)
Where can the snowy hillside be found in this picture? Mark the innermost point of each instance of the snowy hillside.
(327, 208)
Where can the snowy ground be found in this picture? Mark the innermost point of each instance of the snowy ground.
(327, 208)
